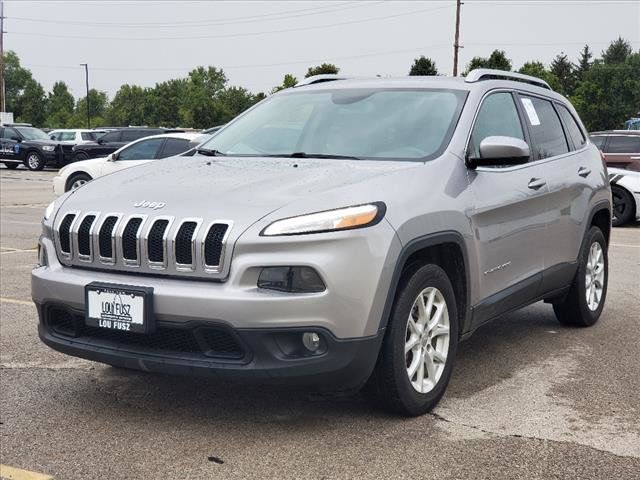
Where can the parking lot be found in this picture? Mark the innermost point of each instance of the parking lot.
(528, 398)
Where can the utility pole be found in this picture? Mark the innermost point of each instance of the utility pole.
(456, 43)
(86, 78)
(3, 102)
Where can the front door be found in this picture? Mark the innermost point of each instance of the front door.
(509, 217)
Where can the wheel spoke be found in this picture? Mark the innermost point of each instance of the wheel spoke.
(420, 375)
(413, 328)
(440, 330)
(411, 371)
(422, 314)
(411, 343)
(431, 368)
(439, 356)
(437, 316)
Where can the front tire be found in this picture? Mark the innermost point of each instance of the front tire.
(34, 161)
(77, 180)
(419, 348)
(11, 166)
(584, 303)
(623, 206)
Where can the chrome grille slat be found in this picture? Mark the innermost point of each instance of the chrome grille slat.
(158, 244)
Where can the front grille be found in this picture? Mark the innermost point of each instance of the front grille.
(184, 243)
(201, 341)
(213, 244)
(105, 237)
(130, 239)
(65, 233)
(163, 244)
(155, 241)
(84, 237)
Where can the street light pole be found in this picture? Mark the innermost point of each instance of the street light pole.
(86, 77)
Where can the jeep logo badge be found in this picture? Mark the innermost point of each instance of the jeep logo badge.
(148, 204)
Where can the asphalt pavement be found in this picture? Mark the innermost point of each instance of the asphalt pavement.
(529, 398)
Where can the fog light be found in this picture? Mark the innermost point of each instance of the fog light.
(311, 341)
(291, 279)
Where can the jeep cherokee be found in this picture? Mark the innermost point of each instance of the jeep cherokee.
(343, 233)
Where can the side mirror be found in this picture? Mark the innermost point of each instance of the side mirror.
(113, 157)
(503, 151)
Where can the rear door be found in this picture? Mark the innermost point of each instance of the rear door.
(174, 146)
(10, 149)
(510, 214)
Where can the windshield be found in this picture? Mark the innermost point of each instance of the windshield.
(357, 123)
(30, 133)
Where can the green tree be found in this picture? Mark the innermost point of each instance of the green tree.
(236, 100)
(98, 103)
(60, 105)
(15, 79)
(202, 108)
(617, 52)
(563, 70)
(423, 66)
(537, 69)
(609, 93)
(165, 103)
(321, 69)
(584, 63)
(130, 106)
(497, 60)
(30, 106)
(288, 81)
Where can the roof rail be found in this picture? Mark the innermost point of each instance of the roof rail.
(490, 74)
(326, 77)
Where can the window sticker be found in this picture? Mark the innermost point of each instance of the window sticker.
(531, 111)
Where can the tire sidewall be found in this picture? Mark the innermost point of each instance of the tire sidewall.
(413, 402)
(75, 178)
(591, 316)
(628, 212)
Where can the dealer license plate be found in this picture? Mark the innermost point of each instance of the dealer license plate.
(118, 307)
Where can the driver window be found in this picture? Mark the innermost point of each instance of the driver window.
(144, 150)
(498, 116)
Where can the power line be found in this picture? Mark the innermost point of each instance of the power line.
(234, 35)
(208, 23)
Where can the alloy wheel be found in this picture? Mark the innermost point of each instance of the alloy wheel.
(33, 161)
(427, 340)
(594, 276)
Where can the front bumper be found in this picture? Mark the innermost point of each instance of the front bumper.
(263, 355)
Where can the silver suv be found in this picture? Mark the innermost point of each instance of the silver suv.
(341, 233)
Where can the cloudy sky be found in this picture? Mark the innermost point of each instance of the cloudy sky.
(257, 42)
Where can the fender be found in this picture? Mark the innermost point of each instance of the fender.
(419, 243)
(601, 205)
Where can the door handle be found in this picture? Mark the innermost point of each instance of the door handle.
(536, 183)
(584, 171)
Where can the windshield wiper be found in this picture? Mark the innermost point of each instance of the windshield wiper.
(210, 153)
(312, 155)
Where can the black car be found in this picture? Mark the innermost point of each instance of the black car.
(112, 141)
(28, 145)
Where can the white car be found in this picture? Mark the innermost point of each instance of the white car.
(75, 136)
(625, 190)
(135, 153)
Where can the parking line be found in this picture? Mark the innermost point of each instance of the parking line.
(17, 250)
(11, 473)
(15, 301)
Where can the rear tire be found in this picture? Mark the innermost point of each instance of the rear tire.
(11, 166)
(33, 161)
(80, 156)
(584, 303)
(623, 206)
(416, 359)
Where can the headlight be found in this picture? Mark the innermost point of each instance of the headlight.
(330, 220)
(48, 148)
(49, 210)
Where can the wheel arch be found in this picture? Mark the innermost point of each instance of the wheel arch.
(446, 249)
(600, 217)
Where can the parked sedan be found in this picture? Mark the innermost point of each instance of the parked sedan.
(112, 141)
(136, 153)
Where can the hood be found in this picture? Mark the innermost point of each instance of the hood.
(41, 142)
(82, 164)
(242, 190)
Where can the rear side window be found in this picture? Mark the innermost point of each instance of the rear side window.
(623, 144)
(90, 135)
(144, 150)
(598, 141)
(67, 136)
(573, 130)
(546, 131)
(498, 116)
(174, 146)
